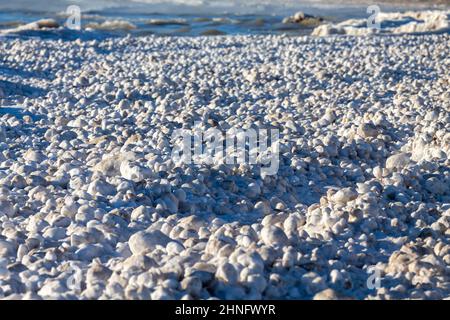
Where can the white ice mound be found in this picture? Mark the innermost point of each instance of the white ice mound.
(391, 23)
(36, 25)
(111, 25)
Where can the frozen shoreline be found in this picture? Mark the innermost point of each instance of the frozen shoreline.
(93, 206)
(130, 20)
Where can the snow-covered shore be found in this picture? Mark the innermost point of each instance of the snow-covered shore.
(93, 205)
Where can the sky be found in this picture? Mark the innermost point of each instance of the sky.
(276, 7)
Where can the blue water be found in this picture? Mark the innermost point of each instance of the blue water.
(182, 17)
